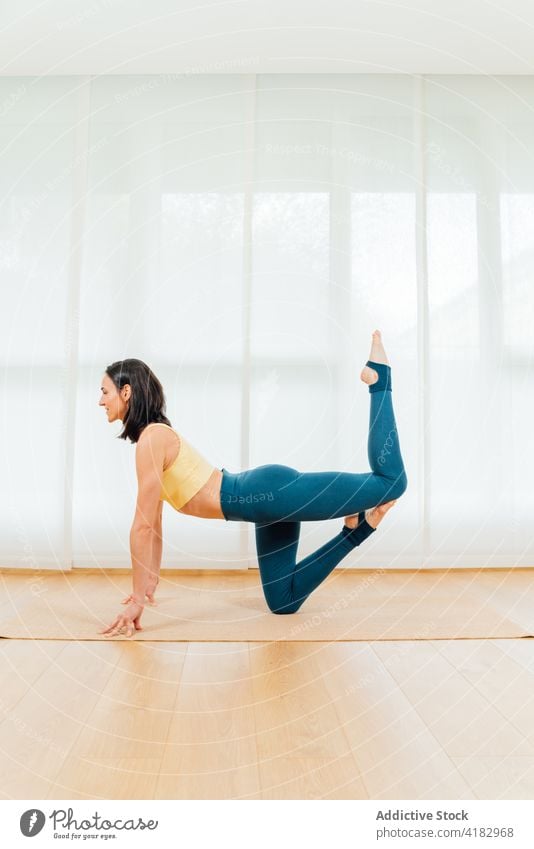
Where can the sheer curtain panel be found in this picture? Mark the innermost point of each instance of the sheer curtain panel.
(244, 235)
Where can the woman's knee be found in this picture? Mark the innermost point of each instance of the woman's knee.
(398, 486)
(280, 607)
(394, 487)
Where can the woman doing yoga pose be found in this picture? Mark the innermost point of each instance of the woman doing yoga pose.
(276, 498)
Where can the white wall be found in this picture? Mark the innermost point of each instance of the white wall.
(106, 37)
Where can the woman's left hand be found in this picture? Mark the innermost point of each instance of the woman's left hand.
(129, 619)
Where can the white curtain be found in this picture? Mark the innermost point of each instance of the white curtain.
(244, 235)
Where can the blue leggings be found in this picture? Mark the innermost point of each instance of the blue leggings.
(278, 498)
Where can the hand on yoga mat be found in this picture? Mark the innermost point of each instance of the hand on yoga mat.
(129, 620)
(149, 592)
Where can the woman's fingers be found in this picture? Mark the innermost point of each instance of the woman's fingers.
(129, 621)
(116, 627)
(112, 630)
(109, 628)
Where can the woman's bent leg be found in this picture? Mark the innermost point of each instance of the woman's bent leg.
(276, 547)
(286, 583)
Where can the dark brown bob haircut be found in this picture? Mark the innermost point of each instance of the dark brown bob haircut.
(147, 399)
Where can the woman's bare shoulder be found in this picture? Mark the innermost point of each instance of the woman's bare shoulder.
(165, 436)
(157, 428)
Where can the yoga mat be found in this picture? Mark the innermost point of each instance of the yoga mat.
(366, 606)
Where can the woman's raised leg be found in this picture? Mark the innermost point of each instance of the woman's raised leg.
(277, 493)
(313, 496)
(383, 448)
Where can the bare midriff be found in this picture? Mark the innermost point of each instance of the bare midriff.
(206, 503)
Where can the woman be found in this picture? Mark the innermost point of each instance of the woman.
(276, 498)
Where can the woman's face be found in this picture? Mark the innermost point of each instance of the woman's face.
(115, 402)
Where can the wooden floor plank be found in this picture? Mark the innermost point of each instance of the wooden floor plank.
(498, 778)
(44, 724)
(211, 748)
(461, 718)
(134, 711)
(397, 755)
(106, 778)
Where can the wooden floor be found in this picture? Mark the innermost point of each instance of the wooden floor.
(283, 720)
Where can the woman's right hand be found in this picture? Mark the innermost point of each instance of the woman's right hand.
(149, 592)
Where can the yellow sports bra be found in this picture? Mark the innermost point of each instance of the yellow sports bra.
(186, 476)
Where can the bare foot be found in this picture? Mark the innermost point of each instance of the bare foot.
(373, 517)
(376, 355)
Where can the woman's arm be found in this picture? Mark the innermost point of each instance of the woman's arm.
(146, 550)
(144, 553)
(145, 533)
(157, 551)
(157, 548)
